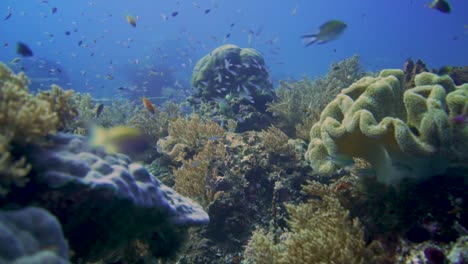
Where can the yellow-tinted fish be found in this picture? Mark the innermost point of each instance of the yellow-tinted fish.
(15, 60)
(120, 139)
(148, 105)
(131, 21)
(327, 32)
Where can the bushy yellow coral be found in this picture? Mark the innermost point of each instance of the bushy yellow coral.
(60, 103)
(320, 231)
(196, 176)
(401, 133)
(276, 142)
(12, 171)
(303, 100)
(188, 135)
(23, 117)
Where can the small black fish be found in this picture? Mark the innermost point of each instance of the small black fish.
(174, 13)
(99, 109)
(228, 35)
(54, 10)
(79, 43)
(23, 50)
(441, 5)
(336, 68)
(207, 11)
(8, 16)
(67, 33)
(232, 25)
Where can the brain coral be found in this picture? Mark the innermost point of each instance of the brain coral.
(401, 133)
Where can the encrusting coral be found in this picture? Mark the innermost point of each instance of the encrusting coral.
(403, 134)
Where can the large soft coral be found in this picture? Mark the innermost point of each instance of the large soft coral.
(401, 136)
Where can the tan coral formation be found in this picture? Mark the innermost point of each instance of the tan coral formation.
(320, 231)
(401, 133)
(25, 118)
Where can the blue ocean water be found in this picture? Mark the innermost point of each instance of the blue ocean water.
(89, 45)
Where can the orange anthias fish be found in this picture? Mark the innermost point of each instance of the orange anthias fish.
(131, 21)
(148, 105)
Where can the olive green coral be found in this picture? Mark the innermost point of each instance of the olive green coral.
(401, 133)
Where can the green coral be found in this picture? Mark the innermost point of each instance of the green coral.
(299, 103)
(117, 112)
(401, 133)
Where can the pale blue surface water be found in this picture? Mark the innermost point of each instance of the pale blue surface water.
(114, 55)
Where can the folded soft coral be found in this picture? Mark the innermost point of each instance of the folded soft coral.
(401, 136)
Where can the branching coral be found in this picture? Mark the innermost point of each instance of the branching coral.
(188, 135)
(119, 112)
(11, 171)
(196, 176)
(61, 103)
(402, 135)
(305, 99)
(155, 125)
(24, 118)
(320, 231)
(275, 142)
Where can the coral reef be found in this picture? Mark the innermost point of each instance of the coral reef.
(31, 235)
(232, 83)
(276, 142)
(300, 102)
(403, 134)
(60, 102)
(117, 112)
(187, 136)
(196, 177)
(24, 117)
(320, 231)
(12, 171)
(411, 69)
(105, 199)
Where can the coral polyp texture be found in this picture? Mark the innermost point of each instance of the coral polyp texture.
(105, 199)
(403, 134)
(233, 83)
(23, 117)
(31, 235)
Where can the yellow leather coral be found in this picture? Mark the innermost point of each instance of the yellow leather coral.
(401, 133)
